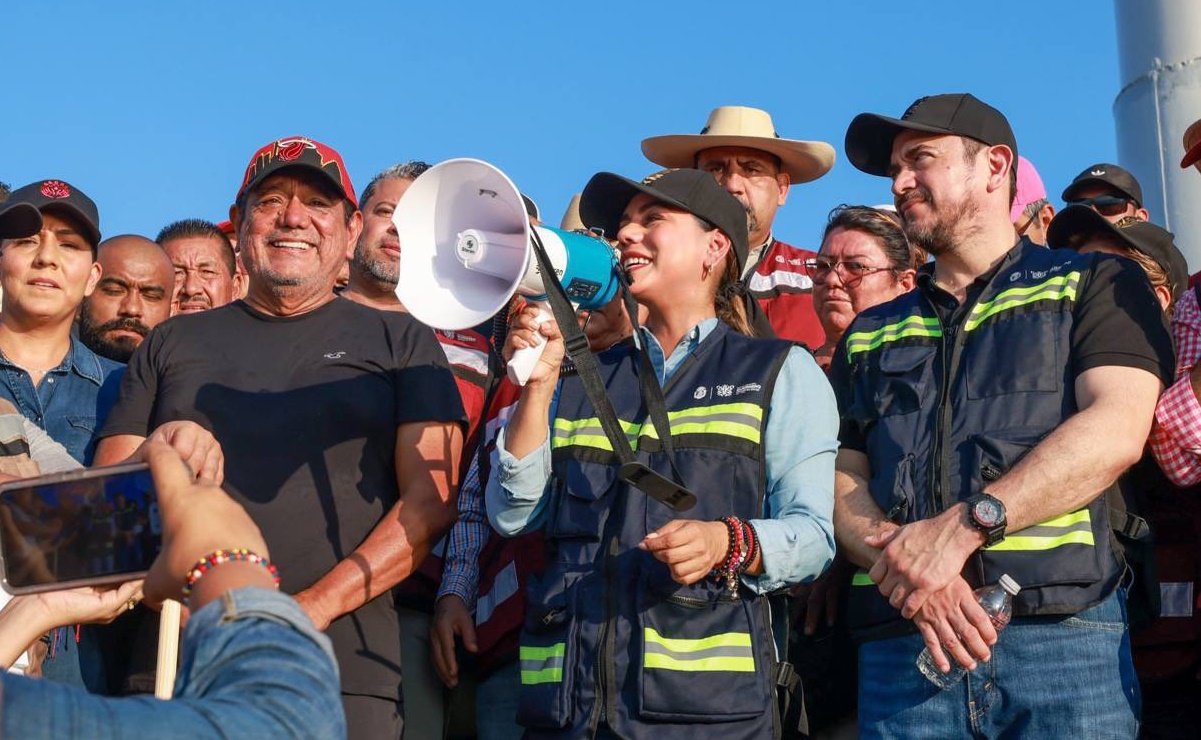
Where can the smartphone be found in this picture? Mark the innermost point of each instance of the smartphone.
(86, 527)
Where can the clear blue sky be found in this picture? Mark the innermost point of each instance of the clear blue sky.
(153, 108)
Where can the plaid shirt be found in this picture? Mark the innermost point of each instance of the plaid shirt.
(1176, 435)
(461, 571)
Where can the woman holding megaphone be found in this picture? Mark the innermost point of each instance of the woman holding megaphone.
(647, 618)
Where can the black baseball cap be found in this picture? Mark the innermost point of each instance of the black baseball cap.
(1072, 226)
(1108, 175)
(606, 196)
(19, 220)
(24, 207)
(870, 136)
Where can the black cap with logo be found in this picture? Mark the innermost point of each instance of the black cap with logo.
(870, 136)
(1107, 175)
(23, 210)
(606, 196)
(1073, 226)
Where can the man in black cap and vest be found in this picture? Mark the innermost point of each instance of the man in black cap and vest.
(984, 416)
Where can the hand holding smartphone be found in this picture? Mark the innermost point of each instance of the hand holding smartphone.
(80, 528)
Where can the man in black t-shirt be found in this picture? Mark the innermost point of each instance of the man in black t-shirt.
(341, 425)
(984, 415)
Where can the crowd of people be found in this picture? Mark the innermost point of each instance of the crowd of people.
(955, 387)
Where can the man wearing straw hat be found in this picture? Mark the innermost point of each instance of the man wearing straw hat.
(741, 148)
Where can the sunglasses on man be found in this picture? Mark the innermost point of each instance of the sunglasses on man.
(1106, 205)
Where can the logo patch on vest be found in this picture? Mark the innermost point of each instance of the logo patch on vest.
(748, 388)
(699, 393)
(725, 391)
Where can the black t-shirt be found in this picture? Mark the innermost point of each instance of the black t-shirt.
(306, 409)
(1117, 321)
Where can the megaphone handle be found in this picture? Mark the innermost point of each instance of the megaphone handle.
(525, 360)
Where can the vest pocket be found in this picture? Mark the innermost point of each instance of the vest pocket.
(581, 503)
(1017, 355)
(547, 658)
(1070, 549)
(701, 661)
(903, 380)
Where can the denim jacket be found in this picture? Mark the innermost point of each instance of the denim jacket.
(72, 400)
(253, 666)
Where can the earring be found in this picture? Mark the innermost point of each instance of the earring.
(708, 270)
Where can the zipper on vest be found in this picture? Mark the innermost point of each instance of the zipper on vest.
(939, 471)
(604, 674)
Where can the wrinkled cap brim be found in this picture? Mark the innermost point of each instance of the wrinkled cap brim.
(19, 220)
(1192, 156)
(870, 137)
(1079, 220)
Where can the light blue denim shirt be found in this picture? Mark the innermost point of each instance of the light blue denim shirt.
(72, 401)
(253, 666)
(800, 443)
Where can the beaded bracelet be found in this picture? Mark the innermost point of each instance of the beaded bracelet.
(752, 548)
(732, 563)
(742, 548)
(217, 557)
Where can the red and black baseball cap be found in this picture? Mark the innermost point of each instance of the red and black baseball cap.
(23, 210)
(1075, 225)
(606, 196)
(870, 136)
(298, 151)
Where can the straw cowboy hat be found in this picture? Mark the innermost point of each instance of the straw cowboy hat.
(734, 125)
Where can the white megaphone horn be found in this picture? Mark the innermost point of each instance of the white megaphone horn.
(466, 249)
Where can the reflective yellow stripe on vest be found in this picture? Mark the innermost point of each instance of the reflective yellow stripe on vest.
(542, 664)
(910, 326)
(729, 651)
(587, 433)
(861, 578)
(740, 420)
(1070, 529)
(1060, 288)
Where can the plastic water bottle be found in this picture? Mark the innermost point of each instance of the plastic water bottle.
(997, 601)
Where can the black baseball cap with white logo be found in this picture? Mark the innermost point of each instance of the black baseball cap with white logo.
(1107, 175)
(606, 196)
(48, 196)
(870, 136)
(1075, 225)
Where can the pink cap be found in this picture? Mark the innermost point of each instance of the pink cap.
(1030, 188)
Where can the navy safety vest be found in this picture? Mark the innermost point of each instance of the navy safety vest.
(947, 409)
(608, 634)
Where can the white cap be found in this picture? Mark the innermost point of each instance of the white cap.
(1011, 586)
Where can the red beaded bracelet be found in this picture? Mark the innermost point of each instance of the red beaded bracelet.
(732, 564)
(217, 557)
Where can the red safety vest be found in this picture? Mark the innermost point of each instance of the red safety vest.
(784, 290)
(1170, 647)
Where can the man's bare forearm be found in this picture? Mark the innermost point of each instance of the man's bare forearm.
(1087, 452)
(856, 514)
(427, 468)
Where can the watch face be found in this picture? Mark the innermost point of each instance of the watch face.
(987, 512)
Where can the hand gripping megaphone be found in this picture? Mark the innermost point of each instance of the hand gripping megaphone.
(466, 249)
